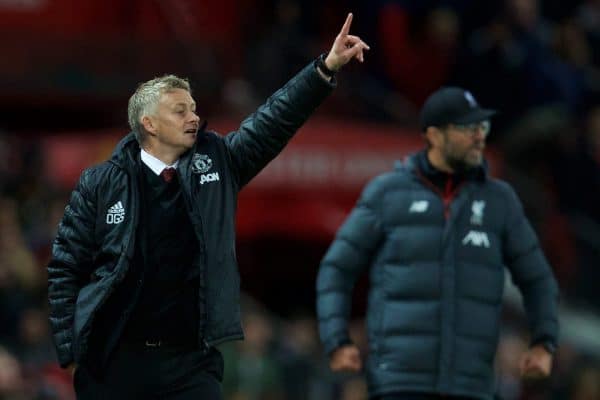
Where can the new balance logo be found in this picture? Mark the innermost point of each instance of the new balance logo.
(477, 239)
(477, 208)
(115, 214)
(204, 178)
(418, 206)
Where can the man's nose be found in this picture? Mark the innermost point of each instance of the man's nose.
(479, 133)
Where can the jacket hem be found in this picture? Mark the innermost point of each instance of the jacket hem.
(214, 342)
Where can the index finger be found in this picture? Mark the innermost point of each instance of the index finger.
(346, 27)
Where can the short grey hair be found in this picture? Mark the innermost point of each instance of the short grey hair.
(145, 99)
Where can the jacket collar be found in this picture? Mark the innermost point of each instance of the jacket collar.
(127, 152)
(124, 154)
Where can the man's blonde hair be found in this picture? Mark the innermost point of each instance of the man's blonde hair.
(145, 99)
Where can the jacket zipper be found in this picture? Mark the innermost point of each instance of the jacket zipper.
(201, 242)
(447, 195)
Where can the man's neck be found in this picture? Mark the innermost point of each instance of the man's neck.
(168, 156)
(438, 161)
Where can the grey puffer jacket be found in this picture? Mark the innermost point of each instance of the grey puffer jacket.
(437, 276)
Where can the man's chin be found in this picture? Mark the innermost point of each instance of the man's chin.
(467, 164)
(474, 162)
(474, 158)
(190, 139)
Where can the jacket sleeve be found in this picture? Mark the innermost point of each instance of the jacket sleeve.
(350, 253)
(531, 273)
(70, 265)
(262, 135)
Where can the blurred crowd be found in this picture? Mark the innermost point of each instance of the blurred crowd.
(538, 62)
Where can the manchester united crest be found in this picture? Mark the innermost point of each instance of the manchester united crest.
(201, 163)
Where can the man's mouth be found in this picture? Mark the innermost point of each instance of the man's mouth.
(191, 130)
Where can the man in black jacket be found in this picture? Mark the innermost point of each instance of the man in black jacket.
(143, 281)
(437, 234)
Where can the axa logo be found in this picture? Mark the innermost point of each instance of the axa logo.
(418, 206)
(205, 178)
(477, 239)
(115, 214)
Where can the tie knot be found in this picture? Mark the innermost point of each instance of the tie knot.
(168, 174)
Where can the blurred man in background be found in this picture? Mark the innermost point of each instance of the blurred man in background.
(143, 281)
(436, 234)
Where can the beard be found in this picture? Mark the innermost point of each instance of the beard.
(462, 163)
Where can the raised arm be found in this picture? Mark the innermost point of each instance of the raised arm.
(265, 133)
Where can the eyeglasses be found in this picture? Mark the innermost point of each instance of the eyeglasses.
(471, 129)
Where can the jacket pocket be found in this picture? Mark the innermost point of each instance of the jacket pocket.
(411, 353)
(87, 300)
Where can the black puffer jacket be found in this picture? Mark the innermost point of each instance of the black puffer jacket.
(95, 241)
(437, 276)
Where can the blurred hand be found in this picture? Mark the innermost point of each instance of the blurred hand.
(71, 368)
(346, 359)
(345, 47)
(536, 363)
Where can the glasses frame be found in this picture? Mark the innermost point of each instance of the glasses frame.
(473, 128)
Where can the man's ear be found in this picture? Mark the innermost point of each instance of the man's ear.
(149, 125)
(434, 136)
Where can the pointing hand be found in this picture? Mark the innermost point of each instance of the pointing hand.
(345, 48)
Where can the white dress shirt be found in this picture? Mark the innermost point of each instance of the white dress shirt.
(154, 163)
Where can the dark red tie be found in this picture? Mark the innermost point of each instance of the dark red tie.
(168, 174)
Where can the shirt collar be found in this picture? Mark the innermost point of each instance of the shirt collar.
(154, 163)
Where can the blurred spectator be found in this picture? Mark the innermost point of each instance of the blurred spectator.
(36, 353)
(354, 389)
(508, 62)
(20, 277)
(251, 372)
(35, 347)
(304, 372)
(281, 49)
(10, 163)
(418, 53)
(527, 147)
(587, 384)
(576, 171)
(588, 17)
(15, 255)
(11, 379)
(578, 155)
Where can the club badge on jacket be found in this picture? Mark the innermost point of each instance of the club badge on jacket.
(201, 163)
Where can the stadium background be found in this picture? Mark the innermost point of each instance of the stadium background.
(68, 68)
